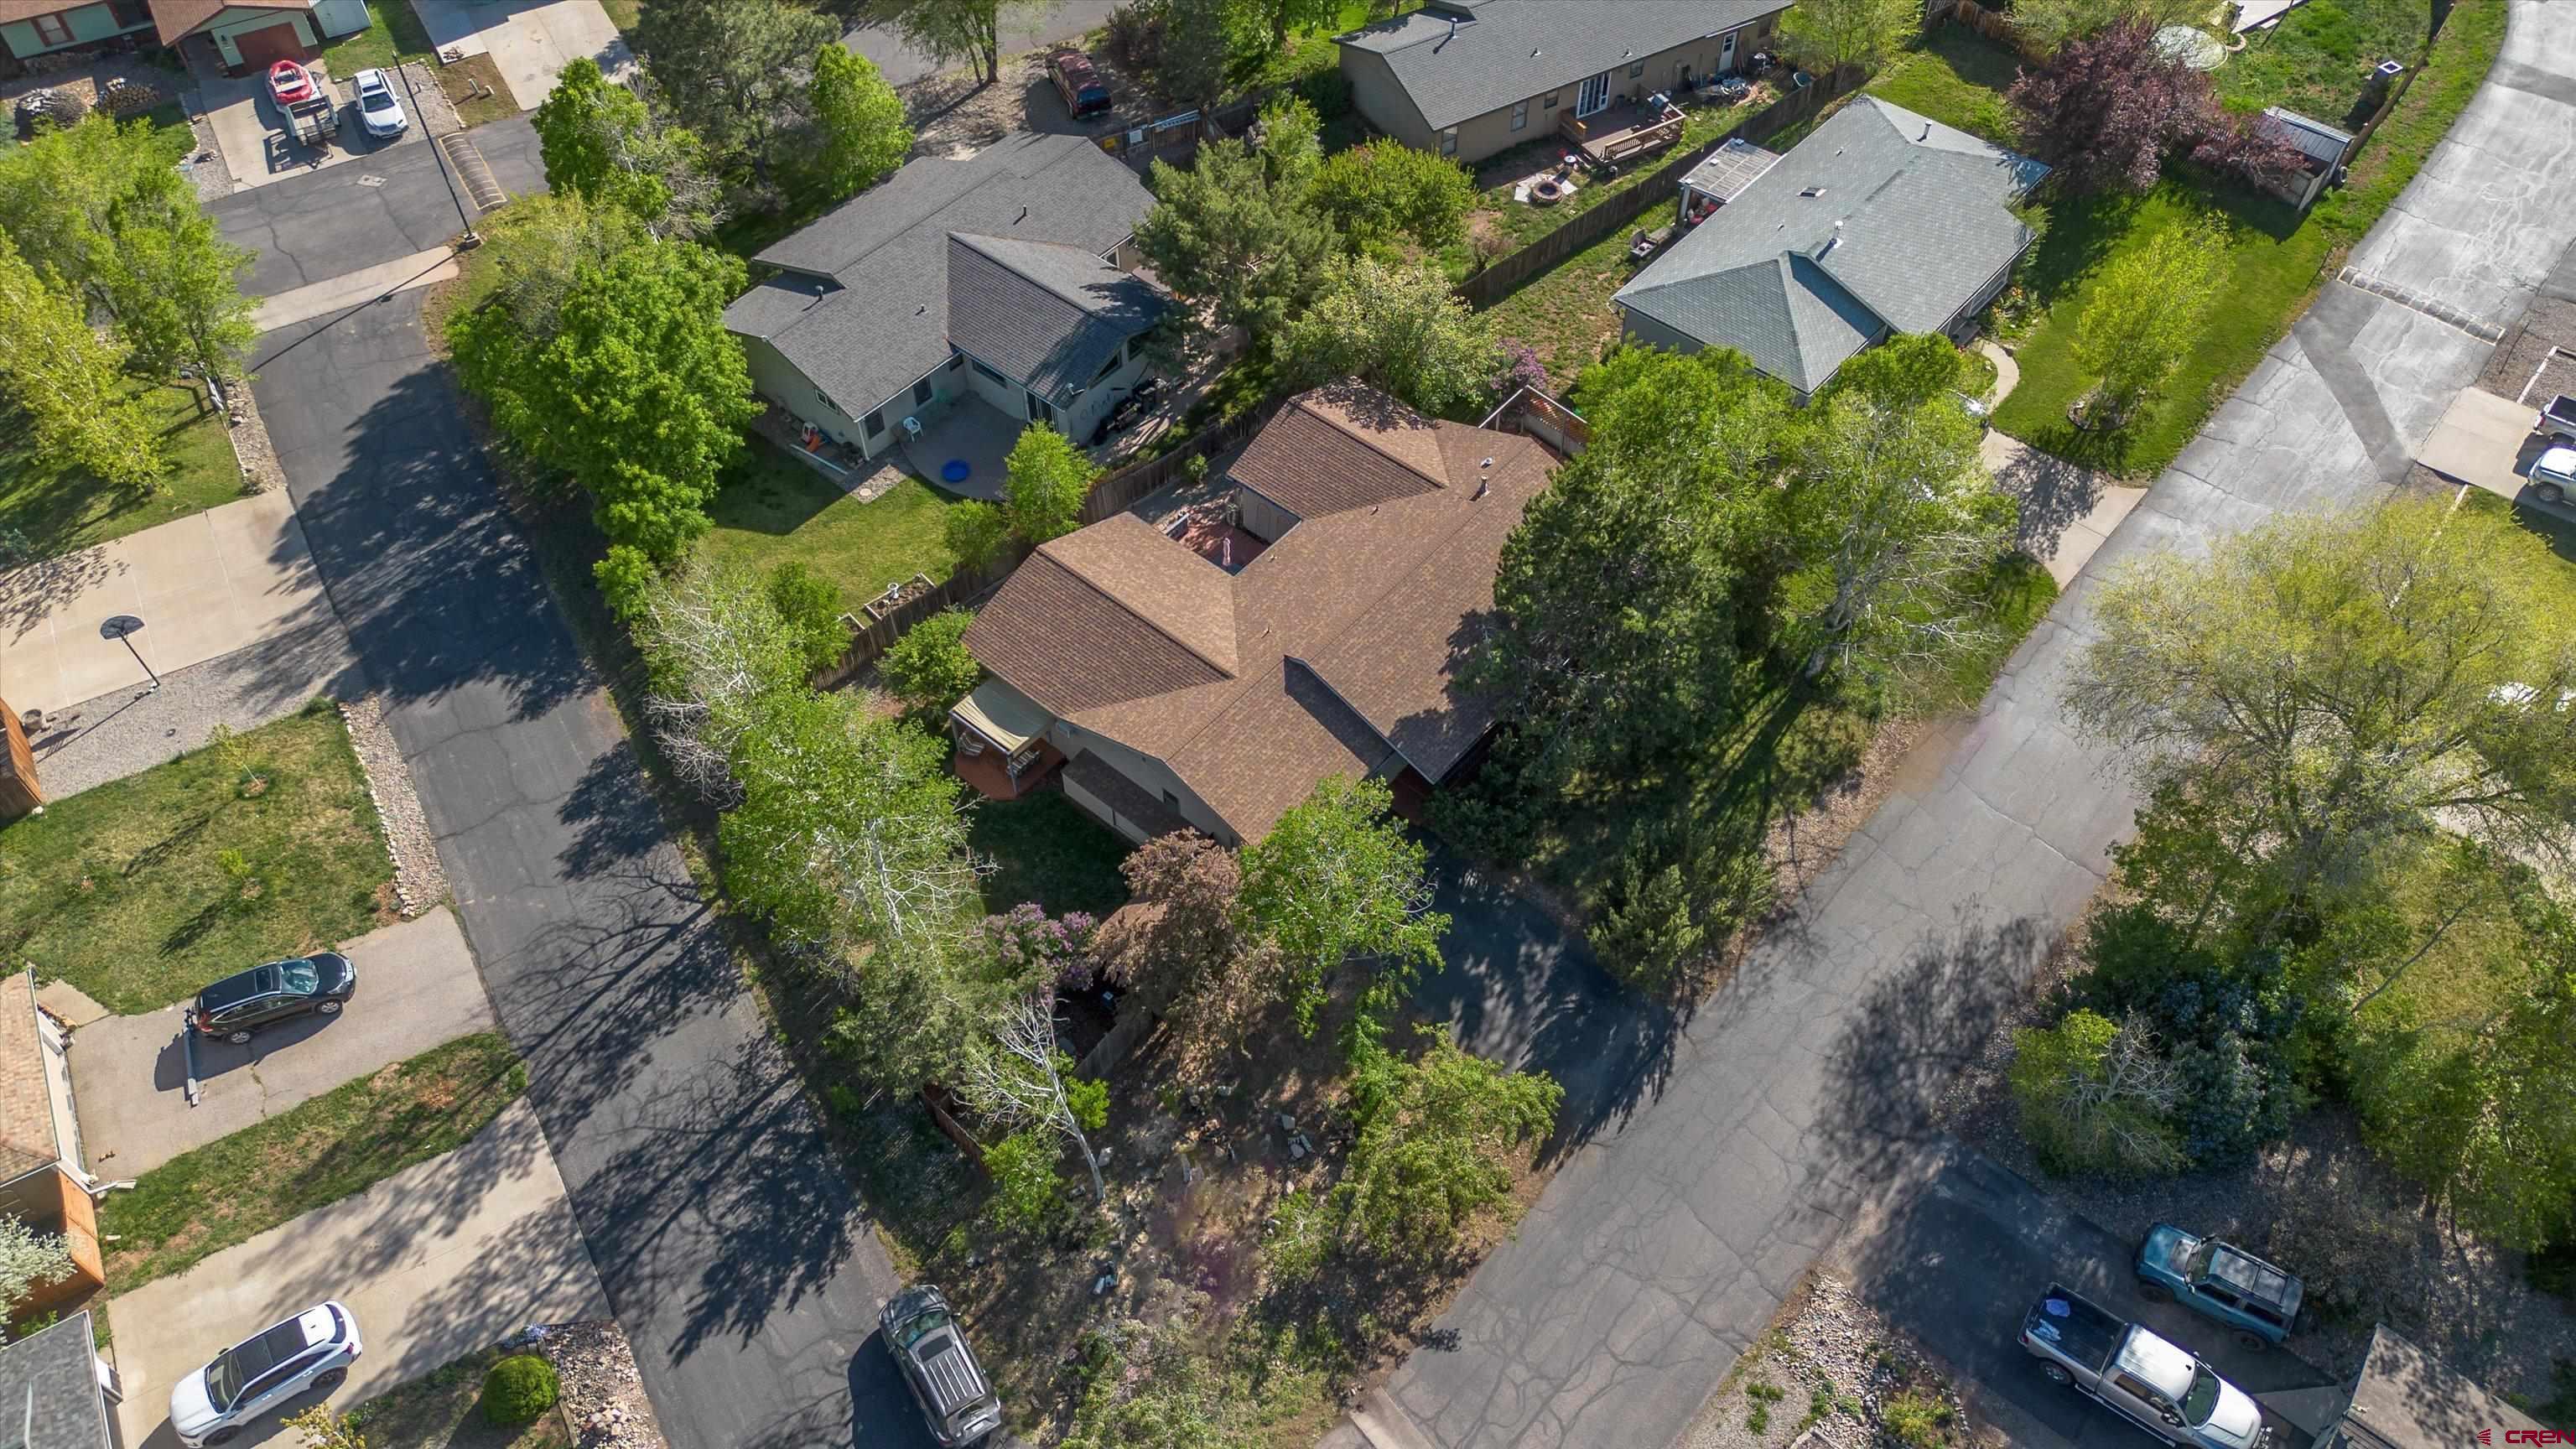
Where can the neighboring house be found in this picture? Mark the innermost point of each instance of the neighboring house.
(55, 1390)
(2404, 1398)
(1879, 222)
(1001, 279)
(246, 34)
(43, 1178)
(1309, 622)
(1469, 78)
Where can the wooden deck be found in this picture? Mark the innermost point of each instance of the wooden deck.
(1622, 131)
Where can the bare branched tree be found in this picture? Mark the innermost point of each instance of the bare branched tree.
(1017, 1083)
(716, 644)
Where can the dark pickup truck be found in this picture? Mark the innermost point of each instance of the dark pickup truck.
(2126, 1368)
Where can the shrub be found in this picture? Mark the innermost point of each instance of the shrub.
(976, 532)
(928, 668)
(518, 1389)
(1918, 1419)
(1027, 1195)
(2096, 1097)
(810, 607)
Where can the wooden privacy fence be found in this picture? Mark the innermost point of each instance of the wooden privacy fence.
(1122, 488)
(1658, 190)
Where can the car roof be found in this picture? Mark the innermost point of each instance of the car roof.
(1074, 62)
(239, 987)
(264, 1351)
(2251, 1276)
(955, 1379)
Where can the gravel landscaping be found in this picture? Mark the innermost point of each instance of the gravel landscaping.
(1832, 1373)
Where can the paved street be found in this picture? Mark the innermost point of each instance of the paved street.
(391, 205)
(417, 988)
(1665, 1244)
(434, 1262)
(1062, 21)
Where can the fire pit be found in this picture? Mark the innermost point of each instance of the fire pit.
(1547, 191)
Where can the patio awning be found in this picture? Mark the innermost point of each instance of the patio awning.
(1003, 715)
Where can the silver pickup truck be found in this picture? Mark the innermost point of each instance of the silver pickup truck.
(2133, 1373)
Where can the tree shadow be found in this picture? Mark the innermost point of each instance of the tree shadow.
(2053, 493)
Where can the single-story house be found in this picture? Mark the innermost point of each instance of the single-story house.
(1470, 78)
(56, 1392)
(1879, 222)
(1309, 621)
(2403, 1398)
(246, 34)
(43, 1177)
(1004, 279)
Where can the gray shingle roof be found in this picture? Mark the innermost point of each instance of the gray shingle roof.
(1514, 49)
(1880, 219)
(881, 320)
(48, 1382)
(2319, 141)
(1047, 314)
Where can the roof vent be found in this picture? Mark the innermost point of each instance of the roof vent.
(1831, 240)
(1484, 486)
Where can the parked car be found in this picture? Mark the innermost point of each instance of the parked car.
(2227, 1283)
(2152, 1383)
(289, 83)
(249, 1001)
(2553, 474)
(378, 111)
(311, 1351)
(930, 1351)
(1079, 82)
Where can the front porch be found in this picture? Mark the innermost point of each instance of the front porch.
(1623, 130)
(962, 447)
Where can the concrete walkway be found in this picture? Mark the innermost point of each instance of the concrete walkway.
(417, 988)
(1664, 1245)
(367, 284)
(434, 1262)
(2067, 512)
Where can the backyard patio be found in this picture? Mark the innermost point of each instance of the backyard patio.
(962, 447)
(1623, 130)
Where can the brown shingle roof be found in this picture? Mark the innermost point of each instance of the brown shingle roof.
(1328, 654)
(175, 18)
(26, 1107)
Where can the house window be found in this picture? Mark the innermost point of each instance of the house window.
(1520, 116)
(1040, 410)
(53, 30)
(1550, 102)
(957, 362)
(1637, 69)
(876, 422)
(129, 14)
(1108, 367)
(1449, 141)
(921, 391)
(995, 376)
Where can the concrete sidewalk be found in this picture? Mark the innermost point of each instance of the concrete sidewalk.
(417, 988)
(434, 1262)
(367, 284)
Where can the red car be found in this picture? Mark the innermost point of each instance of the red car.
(289, 83)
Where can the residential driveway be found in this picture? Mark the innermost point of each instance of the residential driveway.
(1022, 29)
(203, 586)
(434, 1262)
(417, 988)
(353, 218)
(252, 131)
(530, 41)
(2485, 440)
(2067, 512)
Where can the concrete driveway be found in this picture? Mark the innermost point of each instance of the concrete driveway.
(203, 586)
(417, 988)
(530, 41)
(252, 133)
(434, 1262)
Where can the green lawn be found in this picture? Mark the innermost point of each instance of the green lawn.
(2315, 60)
(393, 33)
(1523, 223)
(773, 508)
(443, 1408)
(1564, 313)
(124, 891)
(623, 13)
(52, 506)
(344, 1141)
(1047, 851)
(1958, 78)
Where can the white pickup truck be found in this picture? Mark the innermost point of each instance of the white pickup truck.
(2144, 1379)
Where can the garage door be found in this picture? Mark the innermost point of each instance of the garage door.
(268, 45)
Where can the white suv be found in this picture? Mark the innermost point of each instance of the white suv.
(309, 1352)
(378, 111)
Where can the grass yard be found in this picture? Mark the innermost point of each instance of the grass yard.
(1047, 851)
(143, 890)
(475, 87)
(773, 508)
(623, 13)
(1520, 223)
(1564, 313)
(443, 1409)
(1957, 77)
(2315, 60)
(228, 1192)
(394, 33)
(49, 506)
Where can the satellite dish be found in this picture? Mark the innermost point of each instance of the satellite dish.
(117, 626)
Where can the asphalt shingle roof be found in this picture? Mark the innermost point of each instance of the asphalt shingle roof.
(1047, 314)
(1514, 49)
(49, 1387)
(862, 305)
(1879, 220)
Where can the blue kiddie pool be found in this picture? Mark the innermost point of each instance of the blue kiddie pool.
(954, 471)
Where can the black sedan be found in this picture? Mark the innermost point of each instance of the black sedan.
(235, 1007)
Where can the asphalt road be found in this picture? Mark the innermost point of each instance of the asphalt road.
(734, 1253)
(1666, 1243)
(1025, 30)
(347, 217)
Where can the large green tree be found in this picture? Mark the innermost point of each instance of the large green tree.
(859, 129)
(538, 246)
(735, 72)
(1337, 878)
(1380, 190)
(1236, 234)
(602, 143)
(67, 381)
(1397, 327)
(1824, 34)
(1045, 480)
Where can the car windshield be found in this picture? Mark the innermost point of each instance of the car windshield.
(224, 1380)
(301, 976)
(921, 1325)
(2197, 1265)
(2202, 1401)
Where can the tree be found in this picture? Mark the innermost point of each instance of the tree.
(1337, 878)
(2341, 682)
(1047, 478)
(1893, 524)
(641, 395)
(2094, 1097)
(1025, 1081)
(860, 131)
(1437, 1142)
(2107, 108)
(66, 380)
(538, 246)
(1196, 48)
(713, 644)
(976, 532)
(809, 609)
(954, 31)
(1027, 1195)
(2145, 313)
(929, 668)
(182, 304)
(602, 143)
(1825, 35)
(1397, 327)
(1236, 234)
(734, 71)
(1278, 17)
(28, 1259)
(1183, 948)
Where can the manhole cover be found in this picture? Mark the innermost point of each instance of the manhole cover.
(371, 181)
